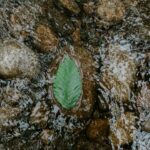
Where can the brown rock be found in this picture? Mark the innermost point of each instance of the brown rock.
(17, 60)
(76, 36)
(128, 3)
(39, 115)
(147, 126)
(143, 99)
(71, 5)
(98, 130)
(143, 106)
(112, 10)
(46, 40)
(8, 114)
(22, 20)
(84, 143)
(121, 131)
(89, 7)
(84, 107)
(47, 136)
(118, 74)
(60, 23)
(10, 96)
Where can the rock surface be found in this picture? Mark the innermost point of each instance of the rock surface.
(23, 19)
(90, 145)
(111, 11)
(142, 140)
(47, 136)
(8, 114)
(31, 118)
(60, 23)
(143, 105)
(118, 74)
(98, 130)
(71, 5)
(39, 115)
(17, 60)
(10, 96)
(143, 99)
(147, 126)
(121, 131)
(46, 40)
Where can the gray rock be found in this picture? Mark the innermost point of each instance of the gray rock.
(7, 116)
(142, 141)
(10, 96)
(118, 74)
(16, 59)
(122, 130)
(2, 147)
(39, 115)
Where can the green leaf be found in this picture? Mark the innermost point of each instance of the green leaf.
(67, 83)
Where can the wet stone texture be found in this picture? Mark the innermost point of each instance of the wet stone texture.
(17, 59)
(39, 115)
(46, 40)
(143, 103)
(118, 74)
(121, 131)
(111, 11)
(110, 43)
(98, 130)
(70, 5)
(8, 114)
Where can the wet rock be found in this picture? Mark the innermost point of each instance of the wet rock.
(8, 114)
(147, 126)
(84, 106)
(111, 11)
(70, 5)
(2, 147)
(76, 36)
(143, 106)
(46, 40)
(89, 7)
(89, 34)
(47, 136)
(61, 24)
(144, 71)
(39, 114)
(143, 9)
(117, 74)
(143, 99)
(121, 131)
(148, 66)
(13, 97)
(90, 145)
(142, 141)
(128, 3)
(23, 19)
(17, 60)
(3, 27)
(10, 96)
(64, 122)
(98, 130)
